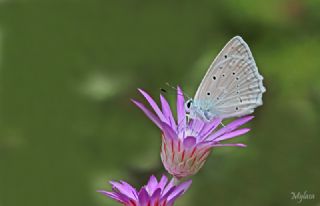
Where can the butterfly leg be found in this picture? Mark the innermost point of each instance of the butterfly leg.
(188, 116)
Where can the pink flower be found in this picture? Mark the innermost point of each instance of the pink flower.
(187, 144)
(154, 193)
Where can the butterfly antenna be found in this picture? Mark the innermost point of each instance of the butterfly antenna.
(164, 91)
(174, 88)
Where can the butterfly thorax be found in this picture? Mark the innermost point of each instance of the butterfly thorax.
(201, 109)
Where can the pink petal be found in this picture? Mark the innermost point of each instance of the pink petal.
(144, 197)
(147, 112)
(168, 131)
(232, 134)
(123, 189)
(189, 142)
(153, 104)
(156, 197)
(197, 125)
(179, 190)
(229, 145)
(152, 185)
(130, 188)
(169, 186)
(181, 113)
(167, 112)
(209, 127)
(230, 127)
(163, 182)
(115, 196)
(166, 193)
(171, 201)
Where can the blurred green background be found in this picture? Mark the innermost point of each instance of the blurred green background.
(69, 68)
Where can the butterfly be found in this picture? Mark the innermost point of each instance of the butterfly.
(232, 86)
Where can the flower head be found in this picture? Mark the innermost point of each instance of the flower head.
(186, 144)
(154, 193)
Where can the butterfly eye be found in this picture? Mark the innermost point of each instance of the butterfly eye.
(163, 90)
(188, 105)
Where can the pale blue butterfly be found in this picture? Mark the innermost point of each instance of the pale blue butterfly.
(232, 86)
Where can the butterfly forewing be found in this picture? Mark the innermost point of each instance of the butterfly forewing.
(232, 82)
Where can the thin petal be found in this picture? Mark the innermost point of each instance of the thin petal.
(152, 185)
(196, 125)
(116, 196)
(130, 188)
(147, 112)
(163, 182)
(144, 197)
(169, 186)
(229, 145)
(232, 134)
(123, 189)
(205, 143)
(167, 112)
(166, 193)
(230, 127)
(209, 128)
(155, 198)
(168, 131)
(181, 113)
(153, 104)
(171, 201)
(179, 190)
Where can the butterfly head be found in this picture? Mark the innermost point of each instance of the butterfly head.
(188, 105)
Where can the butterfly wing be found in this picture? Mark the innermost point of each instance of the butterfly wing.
(232, 82)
